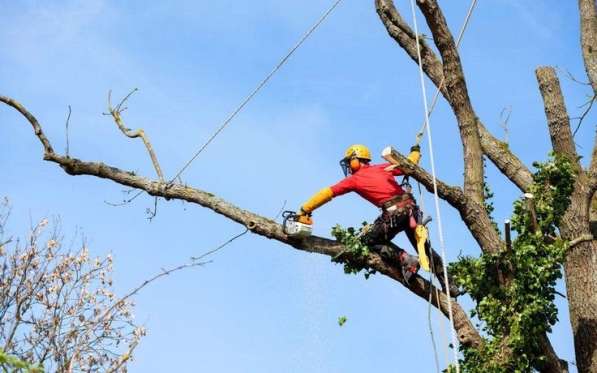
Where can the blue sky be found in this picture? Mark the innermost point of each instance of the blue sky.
(260, 306)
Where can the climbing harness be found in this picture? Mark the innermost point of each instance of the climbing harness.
(258, 88)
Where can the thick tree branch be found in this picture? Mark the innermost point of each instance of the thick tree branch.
(496, 150)
(472, 213)
(581, 262)
(558, 121)
(400, 31)
(553, 364)
(588, 38)
(260, 225)
(459, 99)
(508, 163)
(451, 194)
(593, 167)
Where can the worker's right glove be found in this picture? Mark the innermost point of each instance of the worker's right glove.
(304, 217)
(318, 199)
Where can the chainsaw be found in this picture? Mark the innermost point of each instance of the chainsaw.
(293, 227)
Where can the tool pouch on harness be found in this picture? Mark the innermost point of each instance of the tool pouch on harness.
(399, 207)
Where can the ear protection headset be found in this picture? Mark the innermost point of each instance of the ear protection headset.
(355, 164)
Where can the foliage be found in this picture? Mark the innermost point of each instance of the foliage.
(10, 363)
(514, 290)
(356, 253)
(57, 306)
(342, 320)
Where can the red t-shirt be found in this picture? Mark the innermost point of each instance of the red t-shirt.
(371, 182)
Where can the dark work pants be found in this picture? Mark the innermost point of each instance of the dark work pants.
(388, 225)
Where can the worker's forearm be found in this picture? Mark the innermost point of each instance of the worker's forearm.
(317, 200)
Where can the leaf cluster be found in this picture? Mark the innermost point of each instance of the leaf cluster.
(14, 364)
(354, 257)
(514, 290)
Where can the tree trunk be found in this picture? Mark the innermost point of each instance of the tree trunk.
(581, 260)
(581, 279)
(588, 38)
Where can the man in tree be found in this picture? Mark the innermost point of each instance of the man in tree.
(377, 184)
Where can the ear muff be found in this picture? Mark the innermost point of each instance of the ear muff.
(355, 164)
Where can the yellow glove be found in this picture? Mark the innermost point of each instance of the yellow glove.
(415, 154)
(318, 199)
(305, 219)
(421, 235)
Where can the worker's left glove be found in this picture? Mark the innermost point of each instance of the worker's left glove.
(415, 154)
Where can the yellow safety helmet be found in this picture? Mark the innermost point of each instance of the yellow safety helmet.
(357, 151)
(354, 152)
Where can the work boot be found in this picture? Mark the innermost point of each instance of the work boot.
(409, 264)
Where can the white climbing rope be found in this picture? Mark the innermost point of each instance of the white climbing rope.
(421, 203)
(436, 197)
(419, 137)
(258, 88)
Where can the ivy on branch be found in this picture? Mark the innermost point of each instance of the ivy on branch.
(515, 315)
(355, 256)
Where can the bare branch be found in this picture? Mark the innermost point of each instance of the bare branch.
(593, 169)
(552, 364)
(453, 195)
(504, 119)
(472, 213)
(556, 113)
(588, 38)
(588, 106)
(400, 31)
(125, 201)
(459, 99)
(260, 225)
(34, 123)
(66, 130)
(497, 151)
(197, 258)
(508, 163)
(116, 114)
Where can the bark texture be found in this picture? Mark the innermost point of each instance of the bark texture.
(476, 139)
(260, 225)
(445, 70)
(581, 259)
(496, 150)
(459, 99)
(588, 38)
(558, 121)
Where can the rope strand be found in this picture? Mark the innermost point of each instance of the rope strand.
(258, 88)
(436, 197)
(441, 83)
